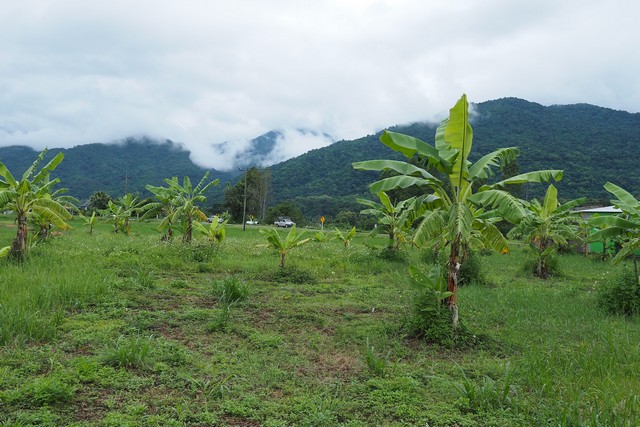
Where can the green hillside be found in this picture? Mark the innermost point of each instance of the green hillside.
(114, 168)
(592, 144)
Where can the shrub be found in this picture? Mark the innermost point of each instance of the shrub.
(291, 274)
(551, 262)
(471, 271)
(392, 254)
(431, 256)
(430, 319)
(620, 295)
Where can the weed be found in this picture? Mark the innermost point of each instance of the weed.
(231, 290)
(51, 390)
(490, 394)
(222, 319)
(129, 352)
(377, 365)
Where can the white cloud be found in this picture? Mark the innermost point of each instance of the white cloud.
(205, 73)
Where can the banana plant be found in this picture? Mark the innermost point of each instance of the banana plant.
(452, 203)
(546, 226)
(395, 220)
(121, 211)
(624, 227)
(31, 193)
(284, 245)
(432, 284)
(187, 198)
(165, 204)
(345, 238)
(90, 221)
(216, 230)
(43, 222)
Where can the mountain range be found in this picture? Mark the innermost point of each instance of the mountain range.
(592, 144)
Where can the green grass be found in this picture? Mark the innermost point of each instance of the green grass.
(112, 330)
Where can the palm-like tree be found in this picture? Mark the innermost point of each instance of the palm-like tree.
(121, 211)
(624, 227)
(165, 204)
(395, 220)
(32, 193)
(547, 226)
(453, 203)
(43, 222)
(187, 197)
(283, 246)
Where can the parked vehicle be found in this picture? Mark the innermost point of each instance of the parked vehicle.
(283, 221)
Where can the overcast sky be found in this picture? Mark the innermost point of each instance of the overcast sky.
(205, 72)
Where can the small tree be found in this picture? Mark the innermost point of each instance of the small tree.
(625, 228)
(90, 221)
(98, 201)
(546, 226)
(122, 210)
(395, 220)
(283, 246)
(216, 230)
(31, 194)
(187, 197)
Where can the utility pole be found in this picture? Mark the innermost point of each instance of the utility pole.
(244, 203)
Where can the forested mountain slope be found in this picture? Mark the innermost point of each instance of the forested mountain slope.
(114, 168)
(592, 144)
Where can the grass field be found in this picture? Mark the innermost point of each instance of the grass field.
(110, 330)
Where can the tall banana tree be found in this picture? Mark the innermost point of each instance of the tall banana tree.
(453, 203)
(547, 226)
(32, 193)
(187, 197)
(625, 227)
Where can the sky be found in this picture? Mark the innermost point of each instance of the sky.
(218, 73)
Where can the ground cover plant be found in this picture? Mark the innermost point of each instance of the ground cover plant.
(106, 329)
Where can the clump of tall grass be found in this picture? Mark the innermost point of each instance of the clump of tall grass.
(230, 290)
(129, 352)
(377, 365)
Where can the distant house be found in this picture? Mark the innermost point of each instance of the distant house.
(598, 247)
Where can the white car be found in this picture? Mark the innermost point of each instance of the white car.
(284, 222)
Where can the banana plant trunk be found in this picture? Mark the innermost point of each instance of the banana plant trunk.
(19, 245)
(188, 232)
(452, 277)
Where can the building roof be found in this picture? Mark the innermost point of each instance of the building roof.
(604, 209)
